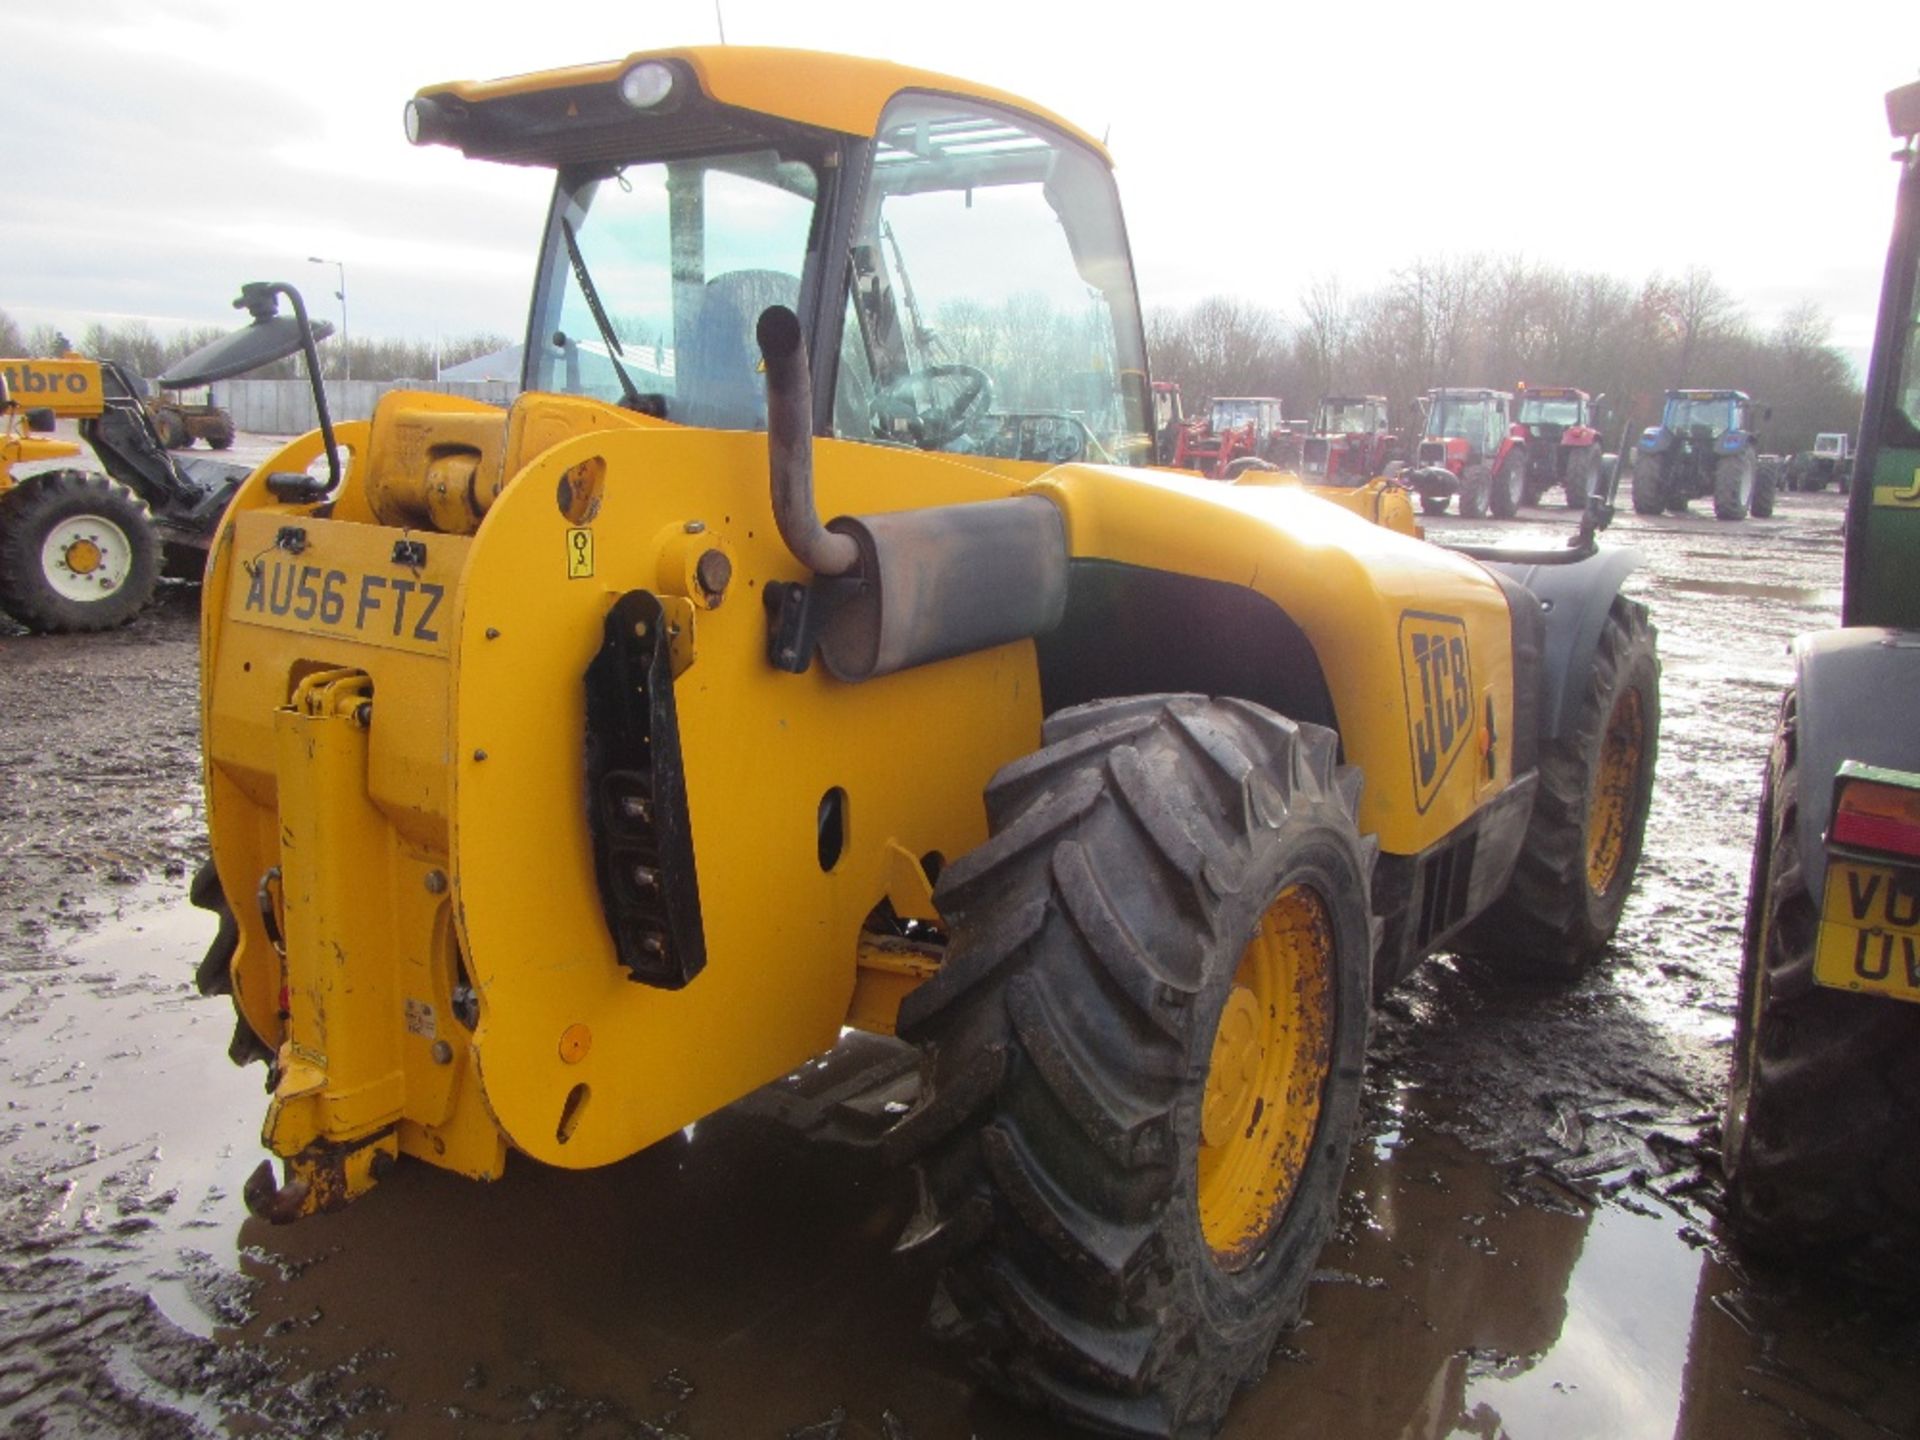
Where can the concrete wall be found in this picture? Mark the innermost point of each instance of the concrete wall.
(285, 407)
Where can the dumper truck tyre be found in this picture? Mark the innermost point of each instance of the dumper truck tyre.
(1649, 486)
(172, 429)
(1576, 865)
(1434, 503)
(1733, 486)
(1476, 482)
(1143, 1058)
(78, 553)
(220, 437)
(1823, 1094)
(1508, 489)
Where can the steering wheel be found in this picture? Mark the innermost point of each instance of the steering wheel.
(934, 406)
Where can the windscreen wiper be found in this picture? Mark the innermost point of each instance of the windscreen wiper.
(634, 399)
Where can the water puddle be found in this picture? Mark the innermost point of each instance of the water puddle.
(1815, 597)
(738, 1282)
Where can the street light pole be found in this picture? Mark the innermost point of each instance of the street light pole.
(346, 350)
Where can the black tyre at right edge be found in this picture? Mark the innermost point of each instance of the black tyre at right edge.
(1583, 841)
(1143, 1058)
(1823, 1099)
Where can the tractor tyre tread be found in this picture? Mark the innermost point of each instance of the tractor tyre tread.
(1549, 923)
(1729, 501)
(40, 501)
(1094, 938)
(1824, 1091)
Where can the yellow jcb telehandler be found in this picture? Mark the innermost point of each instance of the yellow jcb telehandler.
(568, 777)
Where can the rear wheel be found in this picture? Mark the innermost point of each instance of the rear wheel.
(1649, 486)
(1823, 1096)
(77, 553)
(1733, 486)
(1476, 481)
(1509, 487)
(1143, 1058)
(1589, 819)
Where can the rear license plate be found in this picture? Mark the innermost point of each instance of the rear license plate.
(1870, 930)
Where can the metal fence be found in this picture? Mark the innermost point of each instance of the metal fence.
(285, 407)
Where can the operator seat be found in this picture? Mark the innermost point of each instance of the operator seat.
(717, 384)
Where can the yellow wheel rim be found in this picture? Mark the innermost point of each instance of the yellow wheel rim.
(1615, 791)
(1266, 1076)
(83, 557)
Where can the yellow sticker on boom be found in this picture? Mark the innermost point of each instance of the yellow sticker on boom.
(1438, 678)
(1899, 497)
(579, 554)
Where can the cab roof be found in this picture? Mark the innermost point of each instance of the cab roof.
(1555, 392)
(1708, 394)
(833, 92)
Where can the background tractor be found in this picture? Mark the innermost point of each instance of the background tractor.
(1235, 427)
(1829, 462)
(1350, 442)
(1563, 443)
(179, 422)
(1470, 447)
(80, 550)
(1824, 1092)
(1703, 447)
(1117, 792)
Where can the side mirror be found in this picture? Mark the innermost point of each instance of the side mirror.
(40, 419)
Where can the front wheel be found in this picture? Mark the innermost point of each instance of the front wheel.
(1509, 487)
(77, 552)
(1733, 486)
(1143, 1057)
(1649, 487)
(1583, 841)
(1766, 480)
(1433, 502)
(1476, 483)
(1823, 1095)
(1583, 476)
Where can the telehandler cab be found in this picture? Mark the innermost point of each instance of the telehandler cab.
(568, 778)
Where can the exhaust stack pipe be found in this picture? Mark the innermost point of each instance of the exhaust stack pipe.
(790, 448)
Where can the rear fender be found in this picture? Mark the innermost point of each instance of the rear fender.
(1574, 600)
(1858, 691)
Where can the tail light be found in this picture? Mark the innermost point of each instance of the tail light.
(1877, 810)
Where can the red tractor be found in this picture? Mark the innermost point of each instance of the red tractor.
(1563, 444)
(1470, 447)
(1234, 427)
(1351, 441)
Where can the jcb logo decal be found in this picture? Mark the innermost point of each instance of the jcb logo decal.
(1439, 690)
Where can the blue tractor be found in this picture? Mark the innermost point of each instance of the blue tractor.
(1703, 447)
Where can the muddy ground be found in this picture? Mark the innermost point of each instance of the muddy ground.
(1529, 1245)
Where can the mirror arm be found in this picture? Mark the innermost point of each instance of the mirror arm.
(253, 297)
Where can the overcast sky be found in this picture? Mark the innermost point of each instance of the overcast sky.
(159, 152)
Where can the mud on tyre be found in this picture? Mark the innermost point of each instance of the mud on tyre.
(1589, 819)
(77, 553)
(1143, 1058)
(1823, 1097)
